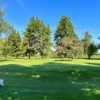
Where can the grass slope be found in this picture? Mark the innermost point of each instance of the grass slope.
(50, 79)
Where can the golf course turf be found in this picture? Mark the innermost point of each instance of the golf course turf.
(50, 79)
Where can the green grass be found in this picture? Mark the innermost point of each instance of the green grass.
(50, 79)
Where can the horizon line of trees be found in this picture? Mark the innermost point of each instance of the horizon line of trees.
(37, 40)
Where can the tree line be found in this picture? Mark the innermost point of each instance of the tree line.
(37, 40)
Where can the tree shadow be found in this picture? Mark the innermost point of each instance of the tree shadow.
(67, 59)
(94, 58)
(4, 60)
(96, 64)
(51, 81)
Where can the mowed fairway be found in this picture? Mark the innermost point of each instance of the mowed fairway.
(50, 79)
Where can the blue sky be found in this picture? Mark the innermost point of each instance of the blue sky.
(85, 14)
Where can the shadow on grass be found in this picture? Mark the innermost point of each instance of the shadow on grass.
(51, 81)
(4, 60)
(67, 59)
(96, 64)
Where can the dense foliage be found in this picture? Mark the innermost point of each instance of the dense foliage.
(67, 43)
(91, 50)
(37, 40)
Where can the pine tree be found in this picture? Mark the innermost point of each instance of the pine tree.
(14, 42)
(37, 37)
(86, 41)
(92, 49)
(65, 37)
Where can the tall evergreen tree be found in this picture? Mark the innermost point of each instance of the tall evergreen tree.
(37, 37)
(92, 49)
(65, 37)
(14, 42)
(86, 41)
(64, 29)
